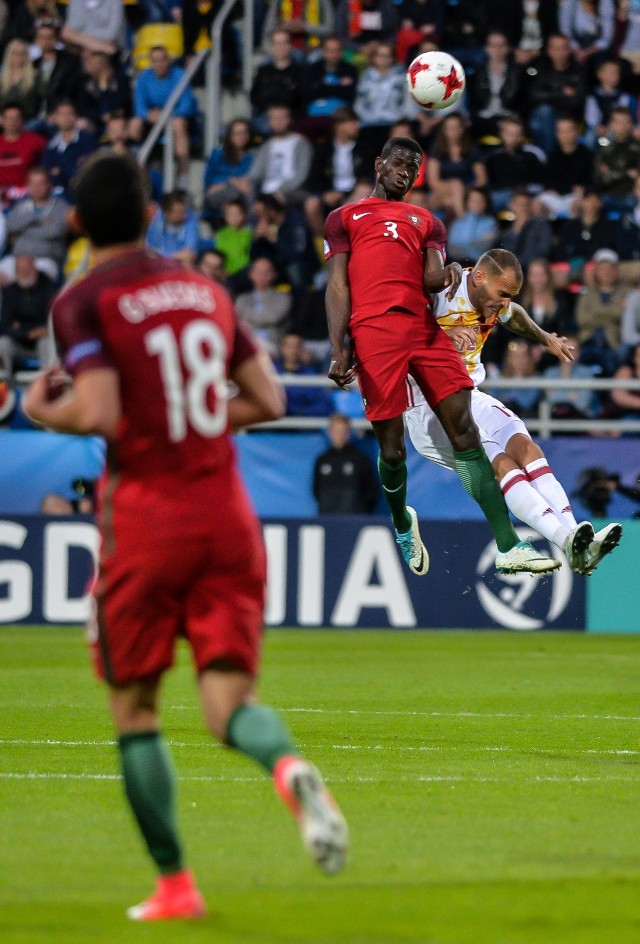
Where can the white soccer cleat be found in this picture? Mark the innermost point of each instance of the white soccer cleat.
(413, 550)
(523, 558)
(604, 541)
(577, 545)
(323, 827)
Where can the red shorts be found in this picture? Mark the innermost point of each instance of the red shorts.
(161, 578)
(388, 348)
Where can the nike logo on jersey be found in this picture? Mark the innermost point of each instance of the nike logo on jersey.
(358, 216)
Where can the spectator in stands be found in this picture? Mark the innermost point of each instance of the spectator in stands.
(465, 31)
(66, 151)
(235, 237)
(630, 325)
(337, 163)
(57, 72)
(518, 363)
(278, 81)
(283, 162)
(24, 314)
(173, 230)
(301, 401)
(557, 87)
(515, 165)
(55, 504)
(629, 21)
(571, 403)
(599, 313)
(419, 20)
(589, 25)
(212, 263)
(381, 98)
(265, 310)
(529, 236)
(474, 232)
(282, 235)
(226, 175)
(20, 150)
(98, 25)
(104, 91)
(526, 25)
(330, 82)
(344, 479)
(617, 162)
(627, 402)
(22, 24)
(568, 171)
(454, 163)
(493, 91)
(306, 21)
(628, 230)
(18, 80)
(38, 227)
(364, 23)
(579, 238)
(606, 96)
(116, 134)
(550, 308)
(153, 88)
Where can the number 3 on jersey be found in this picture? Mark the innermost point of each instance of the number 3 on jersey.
(202, 351)
(392, 229)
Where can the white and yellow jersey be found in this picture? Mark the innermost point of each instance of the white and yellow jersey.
(460, 312)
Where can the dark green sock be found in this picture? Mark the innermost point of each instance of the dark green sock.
(477, 476)
(149, 783)
(260, 733)
(394, 486)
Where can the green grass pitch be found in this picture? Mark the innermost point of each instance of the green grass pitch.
(491, 782)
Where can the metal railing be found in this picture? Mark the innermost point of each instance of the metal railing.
(543, 424)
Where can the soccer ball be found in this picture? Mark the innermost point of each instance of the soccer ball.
(435, 80)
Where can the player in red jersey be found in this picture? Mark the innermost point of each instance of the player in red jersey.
(150, 346)
(385, 258)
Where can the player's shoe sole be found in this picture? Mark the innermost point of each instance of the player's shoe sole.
(164, 905)
(577, 546)
(523, 558)
(323, 828)
(604, 541)
(413, 550)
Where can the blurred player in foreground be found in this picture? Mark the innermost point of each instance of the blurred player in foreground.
(150, 347)
(530, 488)
(385, 257)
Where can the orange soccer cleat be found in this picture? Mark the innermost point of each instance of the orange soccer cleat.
(176, 896)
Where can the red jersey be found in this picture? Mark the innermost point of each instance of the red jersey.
(386, 241)
(172, 336)
(18, 157)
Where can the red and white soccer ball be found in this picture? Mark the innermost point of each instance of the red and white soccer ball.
(435, 80)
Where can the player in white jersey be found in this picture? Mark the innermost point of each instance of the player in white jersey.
(530, 488)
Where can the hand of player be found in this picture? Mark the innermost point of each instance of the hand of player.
(463, 337)
(561, 347)
(340, 371)
(452, 278)
(47, 387)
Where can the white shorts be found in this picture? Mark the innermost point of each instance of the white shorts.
(495, 423)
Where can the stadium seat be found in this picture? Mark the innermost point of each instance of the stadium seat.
(168, 35)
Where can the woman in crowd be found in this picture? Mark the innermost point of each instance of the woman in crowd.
(454, 164)
(226, 174)
(18, 79)
(551, 308)
(627, 402)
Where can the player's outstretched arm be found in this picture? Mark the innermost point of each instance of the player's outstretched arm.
(521, 323)
(90, 405)
(260, 396)
(438, 276)
(338, 305)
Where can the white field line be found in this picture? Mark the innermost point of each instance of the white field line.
(37, 775)
(439, 714)
(438, 748)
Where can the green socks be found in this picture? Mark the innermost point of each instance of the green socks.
(257, 731)
(476, 474)
(394, 485)
(149, 783)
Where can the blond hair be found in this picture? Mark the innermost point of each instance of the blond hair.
(27, 77)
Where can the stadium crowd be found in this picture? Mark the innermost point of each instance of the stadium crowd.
(541, 157)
